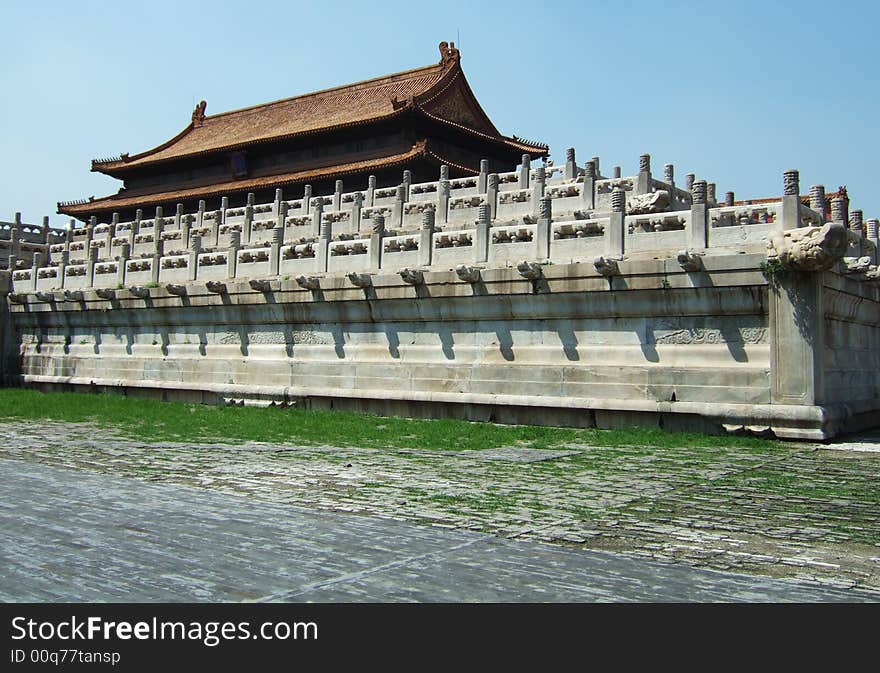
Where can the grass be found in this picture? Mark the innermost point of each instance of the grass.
(155, 420)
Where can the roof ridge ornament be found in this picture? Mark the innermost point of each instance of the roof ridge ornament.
(198, 115)
(448, 53)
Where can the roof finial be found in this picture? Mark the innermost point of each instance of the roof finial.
(448, 52)
(198, 116)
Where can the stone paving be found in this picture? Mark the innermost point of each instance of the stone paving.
(799, 511)
(75, 535)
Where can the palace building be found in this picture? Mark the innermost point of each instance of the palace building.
(415, 120)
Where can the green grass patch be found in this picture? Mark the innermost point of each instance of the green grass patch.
(154, 420)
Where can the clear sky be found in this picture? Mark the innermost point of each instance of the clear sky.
(735, 92)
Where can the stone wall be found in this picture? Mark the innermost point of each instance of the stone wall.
(540, 296)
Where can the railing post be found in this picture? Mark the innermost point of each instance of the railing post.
(275, 250)
(481, 236)
(426, 237)
(643, 181)
(524, 170)
(538, 189)
(817, 201)
(791, 200)
(482, 179)
(323, 253)
(124, 255)
(337, 196)
(570, 164)
(232, 255)
(492, 195)
(614, 233)
(588, 191)
(376, 241)
(542, 229)
(356, 205)
(697, 235)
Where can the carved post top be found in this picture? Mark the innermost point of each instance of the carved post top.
(179, 210)
(277, 235)
(444, 188)
(428, 219)
(569, 154)
(279, 194)
(590, 169)
(195, 242)
(114, 219)
(251, 197)
(484, 165)
(492, 181)
(93, 254)
(17, 220)
(595, 162)
(38, 259)
(729, 198)
(401, 193)
(817, 199)
(710, 192)
(325, 231)
(125, 251)
(645, 163)
(618, 200)
(545, 208)
(357, 199)
(668, 173)
(378, 223)
(699, 189)
(138, 216)
(484, 213)
(840, 210)
(689, 180)
(224, 203)
(337, 188)
(526, 161)
(856, 219)
(249, 212)
(872, 225)
(371, 180)
(93, 221)
(791, 183)
(407, 177)
(159, 213)
(615, 172)
(540, 174)
(235, 240)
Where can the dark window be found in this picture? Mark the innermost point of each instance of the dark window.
(239, 164)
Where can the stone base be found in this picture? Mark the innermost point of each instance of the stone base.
(781, 421)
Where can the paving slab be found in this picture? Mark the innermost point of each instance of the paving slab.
(76, 535)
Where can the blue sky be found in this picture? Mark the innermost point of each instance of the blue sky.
(734, 92)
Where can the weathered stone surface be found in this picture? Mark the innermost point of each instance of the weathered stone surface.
(809, 248)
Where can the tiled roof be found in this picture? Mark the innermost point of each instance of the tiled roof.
(127, 199)
(350, 105)
(332, 108)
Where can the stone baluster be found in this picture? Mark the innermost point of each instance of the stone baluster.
(817, 201)
(185, 226)
(200, 217)
(232, 255)
(248, 225)
(317, 214)
(570, 164)
(698, 232)
(791, 200)
(337, 195)
(36, 265)
(481, 236)
(124, 256)
(376, 237)
(136, 228)
(614, 232)
(443, 190)
(729, 199)
(111, 232)
(62, 265)
(276, 204)
(158, 251)
(542, 229)
(195, 249)
(872, 228)
(856, 222)
(840, 210)
(90, 232)
(595, 161)
(371, 191)
(357, 203)
(399, 201)
(158, 224)
(588, 190)
(483, 178)
(224, 206)
(46, 232)
(689, 180)
(215, 228)
(90, 266)
(275, 250)
(492, 194)
(615, 172)
(524, 171)
(252, 199)
(426, 237)
(15, 240)
(12, 264)
(444, 172)
(407, 181)
(711, 193)
(281, 215)
(538, 188)
(643, 180)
